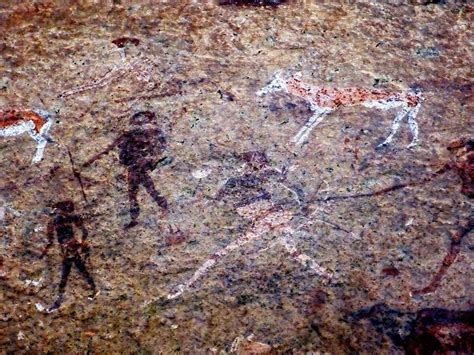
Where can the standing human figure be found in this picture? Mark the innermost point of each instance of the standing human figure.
(140, 150)
(62, 224)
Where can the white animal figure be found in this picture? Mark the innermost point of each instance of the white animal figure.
(36, 123)
(324, 100)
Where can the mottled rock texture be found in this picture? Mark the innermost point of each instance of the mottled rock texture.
(197, 67)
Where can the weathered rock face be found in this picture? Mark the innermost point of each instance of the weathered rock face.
(207, 226)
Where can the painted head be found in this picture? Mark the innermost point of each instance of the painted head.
(278, 83)
(64, 207)
(124, 42)
(143, 117)
(127, 45)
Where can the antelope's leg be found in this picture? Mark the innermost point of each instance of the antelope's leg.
(413, 126)
(288, 242)
(316, 119)
(395, 126)
(40, 145)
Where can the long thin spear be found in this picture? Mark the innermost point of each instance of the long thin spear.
(384, 190)
(77, 175)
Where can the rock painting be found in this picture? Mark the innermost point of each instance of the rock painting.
(74, 251)
(253, 202)
(202, 64)
(325, 100)
(36, 123)
(462, 164)
(138, 66)
(140, 152)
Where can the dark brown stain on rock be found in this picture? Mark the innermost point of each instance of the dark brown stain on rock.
(390, 271)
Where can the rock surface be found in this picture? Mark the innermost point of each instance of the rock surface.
(198, 67)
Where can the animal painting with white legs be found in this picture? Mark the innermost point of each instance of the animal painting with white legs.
(325, 100)
(35, 123)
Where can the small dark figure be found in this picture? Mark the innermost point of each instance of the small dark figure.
(123, 42)
(63, 225)
(140, 149)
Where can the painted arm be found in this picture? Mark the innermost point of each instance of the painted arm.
(104, 152)
(79, 222)
(50, 234)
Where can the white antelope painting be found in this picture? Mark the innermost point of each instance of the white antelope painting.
(324, 100)
(36, 123)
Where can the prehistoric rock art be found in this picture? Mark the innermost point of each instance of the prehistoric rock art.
(138, 65)
(140, 150)
(428, 331)
(324, 100)
(462, 162)
(74, 251)
(253, 202)
(36, 123)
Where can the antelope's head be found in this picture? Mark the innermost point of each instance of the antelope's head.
(278, 83)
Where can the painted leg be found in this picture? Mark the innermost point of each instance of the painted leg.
(394, 129)
(133, 180)
(304, 132)
(147, 182)
(45, 130)
(107, 78)
(274, 221)
(209, 263)
(40, 145)
(413, 126)
(288, 242)
(81, 266)
(66, 270)
(144, 75)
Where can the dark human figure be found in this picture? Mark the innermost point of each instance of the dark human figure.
(140, 149)
(62, 225)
